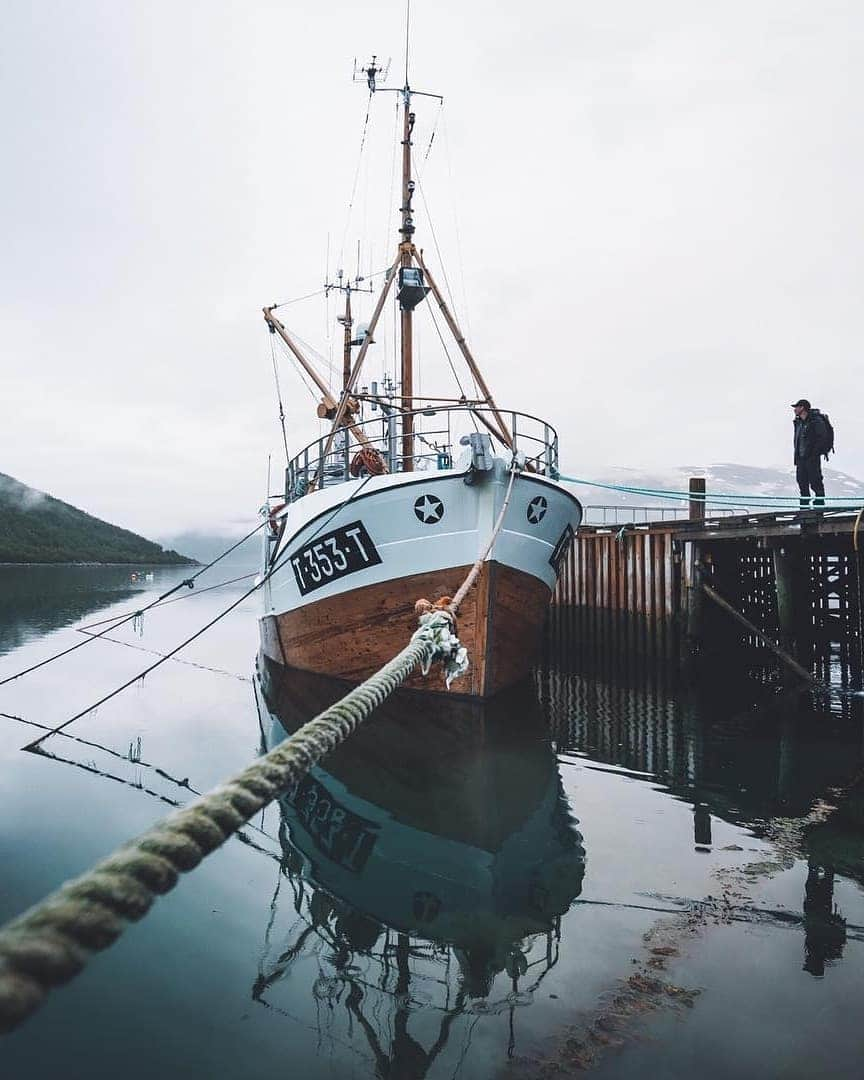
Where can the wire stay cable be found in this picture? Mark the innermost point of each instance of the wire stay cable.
(279, 397)
(129, 682)
(187, 582)
(781, 502)
(174, 600)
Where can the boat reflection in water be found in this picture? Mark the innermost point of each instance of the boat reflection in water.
(431, 858)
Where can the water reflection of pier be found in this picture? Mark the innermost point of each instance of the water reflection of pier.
(429, 864)
(749, 762)
(746, 752)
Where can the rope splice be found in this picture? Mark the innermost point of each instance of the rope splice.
(51, 943)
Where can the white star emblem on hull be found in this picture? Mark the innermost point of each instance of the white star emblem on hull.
(429, 509)
(537, 510)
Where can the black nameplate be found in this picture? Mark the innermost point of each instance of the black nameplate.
(333, 555)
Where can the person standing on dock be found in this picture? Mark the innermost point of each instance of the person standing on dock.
(813, 438)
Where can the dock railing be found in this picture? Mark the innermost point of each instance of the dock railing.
(597, 514)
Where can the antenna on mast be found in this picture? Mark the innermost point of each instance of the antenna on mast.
(346, 285)
(373, 72)
(407, 35)
(411, 286)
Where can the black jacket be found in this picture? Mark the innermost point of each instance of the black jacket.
(811, 437)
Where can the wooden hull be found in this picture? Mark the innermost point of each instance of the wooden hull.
(352, 635)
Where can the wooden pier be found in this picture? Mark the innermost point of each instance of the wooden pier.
(783, 584)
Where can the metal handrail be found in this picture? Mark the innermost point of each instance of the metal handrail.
(312, 465)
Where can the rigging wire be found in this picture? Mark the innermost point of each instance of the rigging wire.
(389, 211)
(437, 247)
(407, 36)
(189, 663)
(325, 367)
(325, 370)
(444, 347)
(176, 659)
(432, 136)
(319, 292)
(183, 596)
(184, 783)
(446, 284)
(297, 299)
(459, 259)
(141, 674)
(313, 392)
(356, 178)
(279, 397)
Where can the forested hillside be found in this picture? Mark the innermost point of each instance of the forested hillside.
(36, 528)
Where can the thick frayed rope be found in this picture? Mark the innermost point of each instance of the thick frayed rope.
(51, 943)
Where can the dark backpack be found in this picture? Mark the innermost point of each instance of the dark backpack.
(828, 448)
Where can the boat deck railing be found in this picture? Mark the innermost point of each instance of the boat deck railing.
(433, 447)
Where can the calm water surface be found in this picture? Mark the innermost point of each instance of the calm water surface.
(605, 871)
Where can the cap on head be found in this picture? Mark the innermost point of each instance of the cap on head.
(801, 403)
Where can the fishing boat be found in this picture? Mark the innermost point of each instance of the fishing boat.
(401, 496)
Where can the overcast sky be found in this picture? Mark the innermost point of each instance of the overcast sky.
(650, 215)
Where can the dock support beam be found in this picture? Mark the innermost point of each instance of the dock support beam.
(693, 578)
(858, 557)
(790, 663)
(791, 583)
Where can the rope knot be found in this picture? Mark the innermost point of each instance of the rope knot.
(438, 628)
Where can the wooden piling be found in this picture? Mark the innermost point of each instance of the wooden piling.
(695, 601)
(697, 498)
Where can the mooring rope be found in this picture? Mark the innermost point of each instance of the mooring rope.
(473, 573)
(52, 942)
(856, 528)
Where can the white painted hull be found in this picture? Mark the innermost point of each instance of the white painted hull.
(408, 546)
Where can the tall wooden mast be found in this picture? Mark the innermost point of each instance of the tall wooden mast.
(406, 249)
(347, 323)
(412, 274)
(347, 285)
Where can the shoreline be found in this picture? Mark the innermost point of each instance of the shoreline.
(191, 562)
